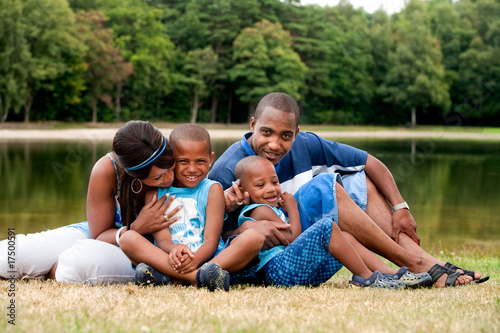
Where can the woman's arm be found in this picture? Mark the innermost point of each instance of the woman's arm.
(101, 205)
(152, 217)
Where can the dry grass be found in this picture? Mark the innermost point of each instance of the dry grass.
(45, 306)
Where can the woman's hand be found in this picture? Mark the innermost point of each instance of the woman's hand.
(235, 197)
(152, 216)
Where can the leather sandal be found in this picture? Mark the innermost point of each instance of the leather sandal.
(472, 274)
(437, 271)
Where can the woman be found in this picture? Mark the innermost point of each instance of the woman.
(86, 252)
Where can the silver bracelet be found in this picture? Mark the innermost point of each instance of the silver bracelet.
(400, 206)
(117, 237)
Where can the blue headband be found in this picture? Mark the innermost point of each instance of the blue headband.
(153, 157)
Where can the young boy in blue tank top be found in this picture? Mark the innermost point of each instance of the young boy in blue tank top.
(314, 256)
(195, 238)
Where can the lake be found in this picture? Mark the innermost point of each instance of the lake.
(452, 187)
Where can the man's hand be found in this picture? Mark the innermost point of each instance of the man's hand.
(270, 230)
(235, 197)
(403, 222)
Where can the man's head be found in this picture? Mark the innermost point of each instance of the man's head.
(258, 177)
(274, 126)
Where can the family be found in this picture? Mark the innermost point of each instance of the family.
(280, 207)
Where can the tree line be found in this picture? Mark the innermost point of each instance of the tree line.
(435, 62)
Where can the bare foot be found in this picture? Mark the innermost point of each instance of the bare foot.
(462, 279)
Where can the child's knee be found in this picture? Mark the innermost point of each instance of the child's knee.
(252, 239)
(127, 240)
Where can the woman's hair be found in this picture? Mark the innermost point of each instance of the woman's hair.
(138, 145)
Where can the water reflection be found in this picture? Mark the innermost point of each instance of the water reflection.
(452, 187)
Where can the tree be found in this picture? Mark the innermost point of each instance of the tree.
(201, 71)
(477, 97)
(140, 33)
(416, 77)
(106, 66)
(382, 43)
(13, 55)
(266, 62)
(48, 28)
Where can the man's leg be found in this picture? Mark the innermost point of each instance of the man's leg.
(379, 211)
(355, 221)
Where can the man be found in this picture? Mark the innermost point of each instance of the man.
(299, 156)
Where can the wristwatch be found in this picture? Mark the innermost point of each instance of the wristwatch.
(400, 206)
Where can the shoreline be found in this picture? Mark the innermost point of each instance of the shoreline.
(107, 134)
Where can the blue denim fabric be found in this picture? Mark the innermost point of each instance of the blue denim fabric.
(306, 261)
(317, 199)
(355, 186)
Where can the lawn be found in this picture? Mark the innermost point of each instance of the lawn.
(45, 306)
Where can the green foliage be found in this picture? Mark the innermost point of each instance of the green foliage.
(266, 62)
(437, 58)
(13, 55)
(106, 68)
(416, 76)
(139, 31)
(201, 70)
(41, 47)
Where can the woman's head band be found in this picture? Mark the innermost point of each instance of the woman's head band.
(153, 157)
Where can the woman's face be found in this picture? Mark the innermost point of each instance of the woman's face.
(160, 177)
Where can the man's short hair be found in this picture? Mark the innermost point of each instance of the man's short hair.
(278, 101)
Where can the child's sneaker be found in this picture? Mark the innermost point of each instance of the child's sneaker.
(145, 274)
(411, 280)
(376, 280)
(212, 276)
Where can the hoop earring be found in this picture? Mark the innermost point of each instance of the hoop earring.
(132, 186)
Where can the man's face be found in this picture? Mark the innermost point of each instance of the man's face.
(273, 134)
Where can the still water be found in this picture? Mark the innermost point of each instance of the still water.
(452, 187)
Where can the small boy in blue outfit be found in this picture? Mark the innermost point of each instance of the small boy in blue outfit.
(195, 237)
(314, 256)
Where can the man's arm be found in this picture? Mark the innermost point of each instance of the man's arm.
(269, 229)
(402, 220)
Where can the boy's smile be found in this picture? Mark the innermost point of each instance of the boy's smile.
(261, 183)
(192, 162)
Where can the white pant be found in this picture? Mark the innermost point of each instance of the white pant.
(92, 261)
(37, 253)
(81, 260)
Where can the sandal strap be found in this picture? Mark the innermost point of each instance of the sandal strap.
(437, 271)
(466, 271)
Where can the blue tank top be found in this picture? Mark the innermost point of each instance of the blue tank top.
(116, 195)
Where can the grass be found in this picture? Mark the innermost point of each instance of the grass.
(46, 306)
